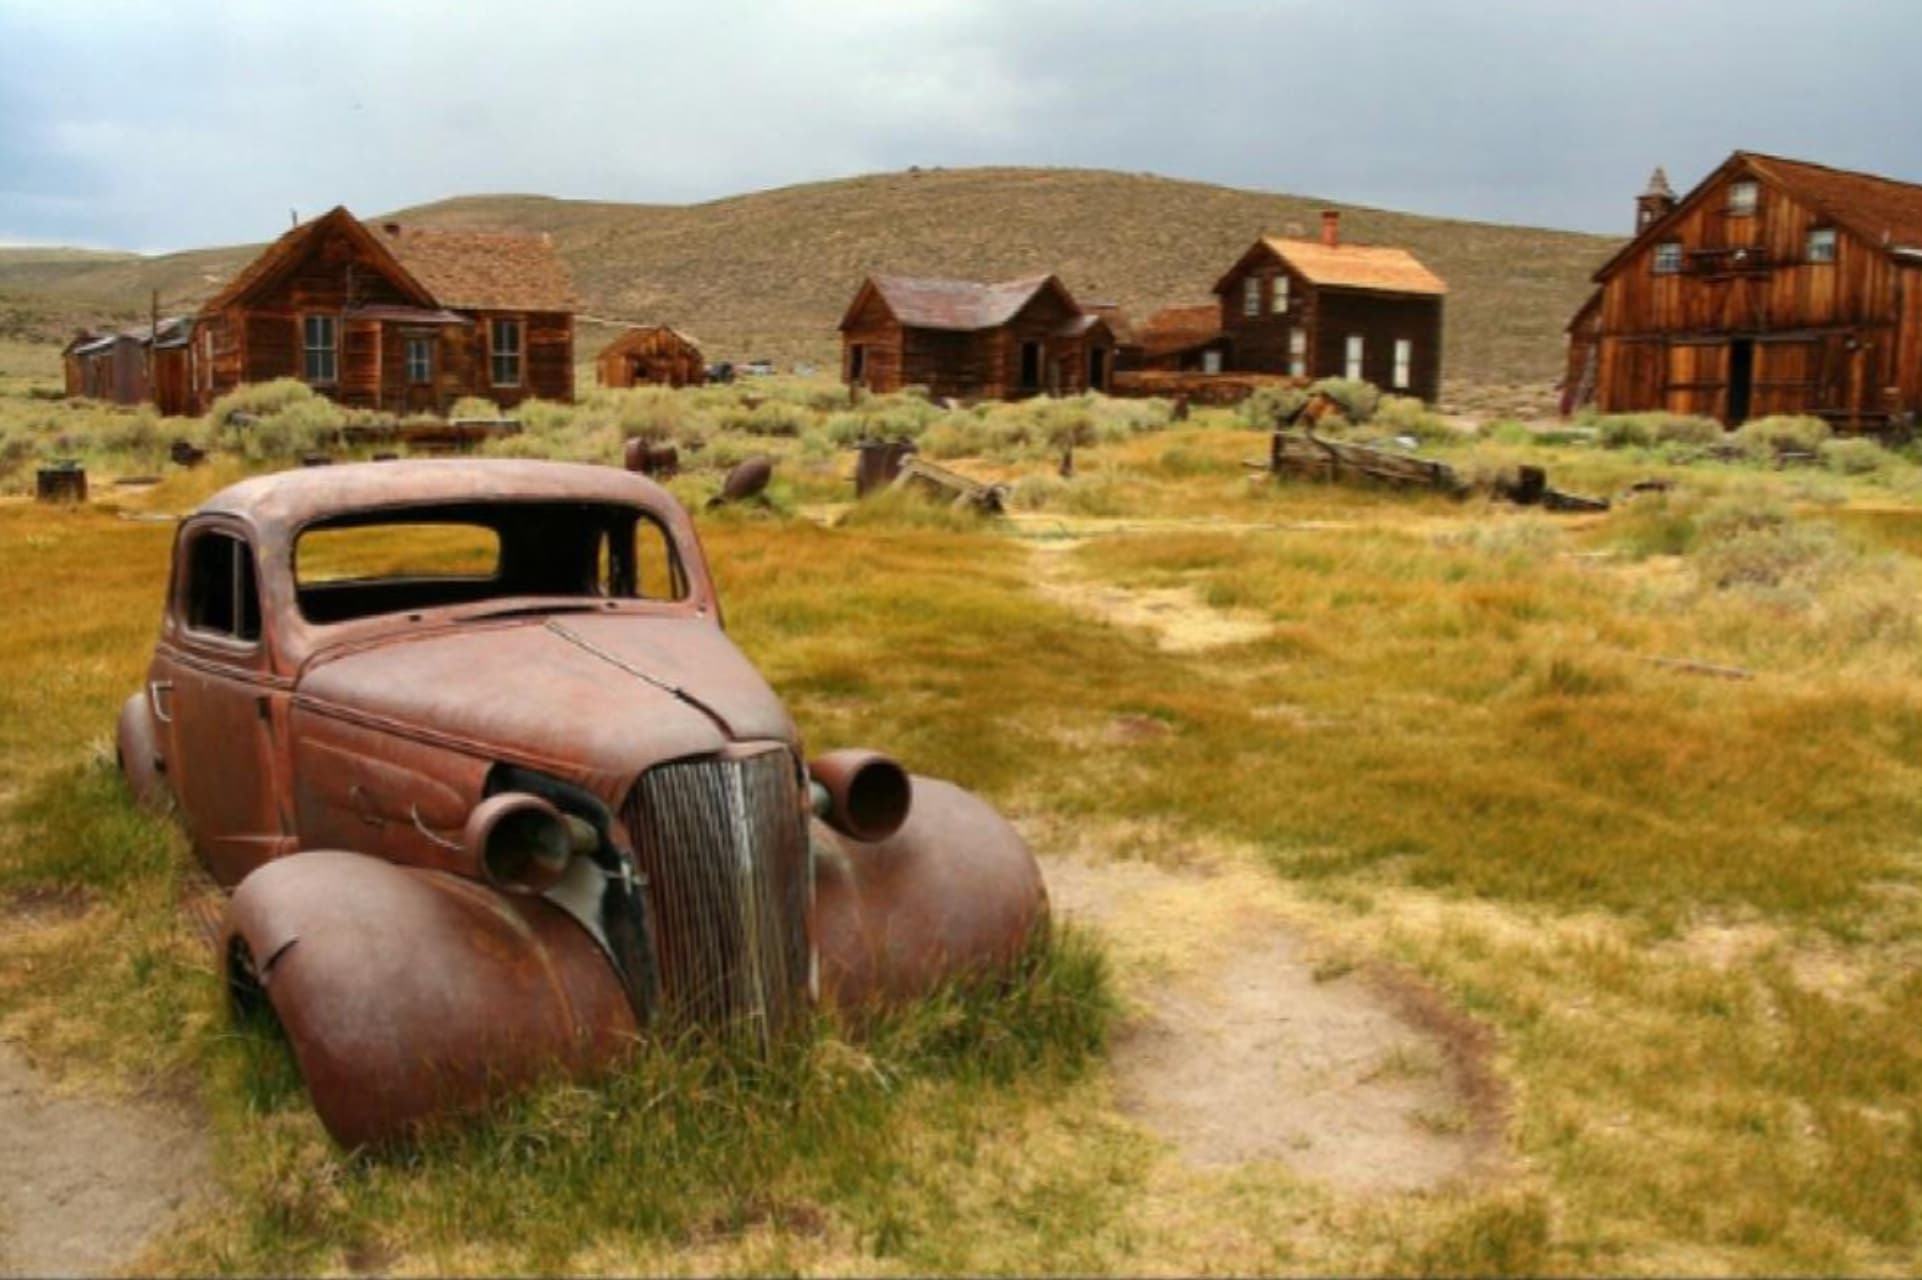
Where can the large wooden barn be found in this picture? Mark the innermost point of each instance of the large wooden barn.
(387, 316)
(1330, 309)
(1775, 286)
(651, 354)
(972, 341)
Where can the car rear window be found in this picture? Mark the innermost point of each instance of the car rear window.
(397, 551)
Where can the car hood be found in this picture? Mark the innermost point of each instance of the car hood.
(605, 695)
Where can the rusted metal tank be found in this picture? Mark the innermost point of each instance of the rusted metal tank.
(486, 828)
(877, 464)
(64, 481)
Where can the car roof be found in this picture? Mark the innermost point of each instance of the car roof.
(284, 501)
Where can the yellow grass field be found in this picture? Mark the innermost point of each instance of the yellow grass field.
(1666, 924)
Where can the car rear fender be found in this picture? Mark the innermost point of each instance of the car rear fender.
(408, 994)
(955, 893)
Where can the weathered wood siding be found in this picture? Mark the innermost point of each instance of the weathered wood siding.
(1835, 338)
(1259, 343)
(656, 355)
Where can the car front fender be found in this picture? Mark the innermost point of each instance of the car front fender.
(138, 748)
(955, 893)
(410, 994)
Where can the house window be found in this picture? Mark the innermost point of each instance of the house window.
(320, 364)
(1741, 199)
(1404, 362)
(1668, 258)
(1278, 296)
(1822, 245)
(420, 360)
(857, 362)
(505, 352)
(1251, 296)
(222, 599)
(1211, 361)
(1352, 367)
(1297, 352)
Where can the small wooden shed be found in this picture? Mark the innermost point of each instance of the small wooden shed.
(652, 354)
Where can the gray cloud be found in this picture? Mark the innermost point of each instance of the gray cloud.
(197, 122)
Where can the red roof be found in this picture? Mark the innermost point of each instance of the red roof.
(1180, 328)
(1356, 266)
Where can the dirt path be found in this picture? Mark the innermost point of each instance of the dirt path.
(1178, 618)
(1251, 1045)
(84, 1183)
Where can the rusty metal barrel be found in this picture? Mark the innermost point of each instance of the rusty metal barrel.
(879, 463)
(62, 481)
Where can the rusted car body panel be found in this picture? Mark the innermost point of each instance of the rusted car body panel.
(484, 827)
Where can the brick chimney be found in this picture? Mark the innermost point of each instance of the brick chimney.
(1331, 227)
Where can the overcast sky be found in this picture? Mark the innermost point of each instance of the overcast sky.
(191, 122)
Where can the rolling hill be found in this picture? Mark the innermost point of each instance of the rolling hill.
(768, 274)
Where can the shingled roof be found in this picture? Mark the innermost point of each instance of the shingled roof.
(1884, 212)
(963, 305)
(471, 270)
(482, 270)
(1357, 266)
(1872, 207)
(1180, 328)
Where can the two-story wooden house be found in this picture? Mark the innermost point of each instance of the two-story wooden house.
(1327, 308)
(972, 341)
(1775, 286)
(387, 316)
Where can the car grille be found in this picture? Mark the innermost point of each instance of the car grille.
(723, 843)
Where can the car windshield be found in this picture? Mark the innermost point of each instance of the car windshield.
(395, 560)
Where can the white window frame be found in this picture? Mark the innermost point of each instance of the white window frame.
(1278, 295)
(1404, 363)
(513, 352)
(1667, 259)
(1744, 197)
(1821, 244)
(1251, 296)
(1298, 352)
(1211, 360)
(324, 353)
(1354, 351)
(420, 373)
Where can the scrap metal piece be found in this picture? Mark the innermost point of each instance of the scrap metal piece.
(747, 480)
(879, 463)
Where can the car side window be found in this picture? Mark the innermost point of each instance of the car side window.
(223, 593)
(641, 567)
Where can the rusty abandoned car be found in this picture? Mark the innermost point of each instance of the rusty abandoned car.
(496, 795)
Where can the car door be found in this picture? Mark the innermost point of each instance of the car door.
(217, 697)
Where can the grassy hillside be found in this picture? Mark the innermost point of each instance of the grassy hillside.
(768, 274)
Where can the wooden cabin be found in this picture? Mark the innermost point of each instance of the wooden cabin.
(1775, 286)
(970, 341)
(110, 367)
(72, 366)
(169, 365)
(1330, 309)
(394, 317)
(1186, 338)
(652, 354)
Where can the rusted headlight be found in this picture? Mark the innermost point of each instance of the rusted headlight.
(522, 842)
(862, 794)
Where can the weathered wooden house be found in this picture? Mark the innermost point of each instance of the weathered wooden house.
(1330, 309)
(972, 341)
(654, 354)
(107, 366)
(1775, 286)
(387, 316)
